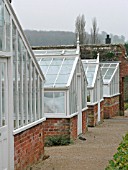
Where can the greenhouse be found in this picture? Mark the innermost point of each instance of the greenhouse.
(65, 89)
(110, 73)
(21, 95)
(95, 91)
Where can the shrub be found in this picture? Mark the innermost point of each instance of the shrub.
(57, 140)
(120, 159)
(125, 106)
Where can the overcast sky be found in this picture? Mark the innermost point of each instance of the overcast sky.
(60, 15)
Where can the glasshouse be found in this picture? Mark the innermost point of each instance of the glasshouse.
(65, 92)
(110, 73)
(21, 96)
(95, 91)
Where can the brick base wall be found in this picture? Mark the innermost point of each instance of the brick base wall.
(84, 121)
(102, 111)
(64, 126)
(28, 147)
(111, 107)
(93, 114)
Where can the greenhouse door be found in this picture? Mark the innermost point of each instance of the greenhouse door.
(3, 115)
(79, 105)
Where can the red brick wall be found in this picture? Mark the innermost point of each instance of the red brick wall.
(93, 114)
(111, 107)
(84, 121)
(28, 147)
(64, 126)
(123, 73)
(57, 126)
(73, 127)
(102, 111)
(61, 126)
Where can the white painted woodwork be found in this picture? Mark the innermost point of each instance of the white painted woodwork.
(3, 116)
(79, 105)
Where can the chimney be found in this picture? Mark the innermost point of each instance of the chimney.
(107, 39)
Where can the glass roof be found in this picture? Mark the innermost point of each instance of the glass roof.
(108, 70)
(90, 69)
(56, 52)
(57, 70)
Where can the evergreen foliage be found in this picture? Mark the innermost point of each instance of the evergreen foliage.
(120, 159)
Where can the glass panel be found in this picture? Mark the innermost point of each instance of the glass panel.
(85, 67)
(91, 67)
(109, 73)
(1, 25)
(90, 74)
(14, 40)
(45, 61)
(89, 81)
(54, 102)
(53, 70)
(7, 20)
(2, 95)
(44, 69)
(50, 79)
(68, 61)
(57, 61)
(59, 102)
(66, 69)
(38, 58)
(103, 71)
(62, 79)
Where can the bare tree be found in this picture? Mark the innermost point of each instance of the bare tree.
(80, 28)
(94, 32)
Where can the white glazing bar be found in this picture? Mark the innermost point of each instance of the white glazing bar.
(26, 89)
(38, 97)
(4, 94)
(30, 90)
(34, 93)
(21, 85)
(0, 94)
(49, 66)
(17, 90)
(41, 98)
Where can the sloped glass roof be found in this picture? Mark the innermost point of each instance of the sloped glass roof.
(90, 68)
(108, 71)
(57, 70)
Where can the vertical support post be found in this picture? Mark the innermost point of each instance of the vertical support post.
(21, 84)
(16, 80)
(30, 89)
(38, 96)
(0, 94)
(26, 88)
(34, 94)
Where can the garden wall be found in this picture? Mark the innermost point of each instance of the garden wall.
(93, 114)
(111, 106)
(28, 147)
(64, 126)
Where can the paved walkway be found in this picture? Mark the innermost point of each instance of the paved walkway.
(93, 154)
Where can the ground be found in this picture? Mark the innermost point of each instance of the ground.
(92, 154)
